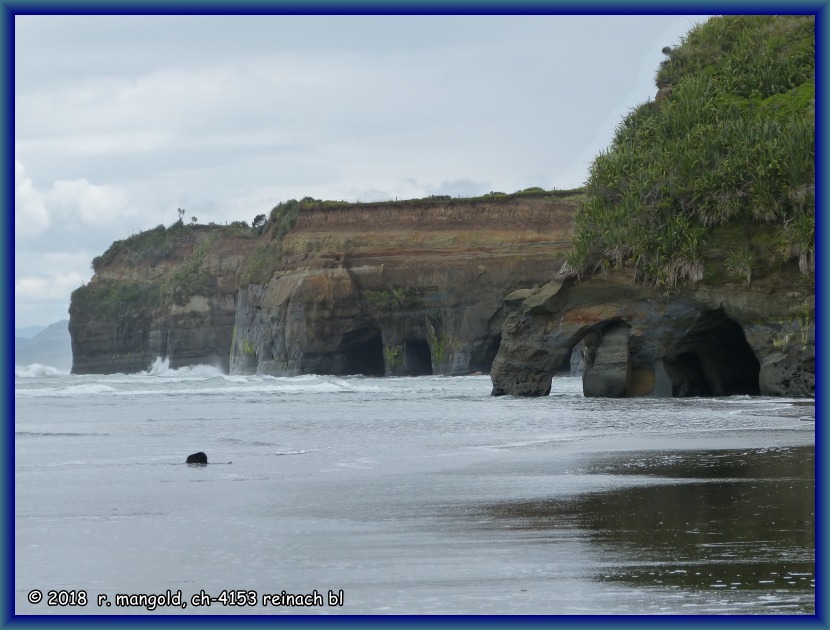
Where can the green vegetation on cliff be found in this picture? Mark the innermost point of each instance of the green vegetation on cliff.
(266, 259)
(159, 243)
(730, 140)
(114, 300)
(309, 203)
(190, 278)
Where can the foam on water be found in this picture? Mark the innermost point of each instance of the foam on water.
(201, 380)
(310, 383)
(161, 368)
(71, 391)
(36, 370)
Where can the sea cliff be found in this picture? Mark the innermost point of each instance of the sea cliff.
(685, 267)
(639, 341)
(168, 292)
(692, 271)
(396, 288)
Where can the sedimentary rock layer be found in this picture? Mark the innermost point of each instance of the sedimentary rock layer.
(180, 307)
(639, 341)
(397, 291)
(380, 289)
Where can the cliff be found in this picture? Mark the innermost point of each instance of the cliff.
(684, 268)
(692, 269)
(398, 288)
(639, 341)
(166, 292)
(407, 289)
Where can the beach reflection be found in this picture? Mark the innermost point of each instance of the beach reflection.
(715, 520)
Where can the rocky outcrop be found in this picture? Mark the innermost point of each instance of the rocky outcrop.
(138, 308)
(640, 341)
(407, 290)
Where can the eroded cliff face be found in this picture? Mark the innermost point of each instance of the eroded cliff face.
(397, 291)
(181, 306)
(639, 341)
(406, 288)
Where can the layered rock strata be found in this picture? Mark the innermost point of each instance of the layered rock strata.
(404, 288)
(639, 341)
(180, 307)
(397, 291)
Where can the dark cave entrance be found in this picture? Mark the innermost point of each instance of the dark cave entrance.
(418, 358)
(564, 368)
(713, 359)
(686, 375)
(482, 356)
(363, 354)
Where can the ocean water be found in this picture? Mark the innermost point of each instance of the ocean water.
(328, 495)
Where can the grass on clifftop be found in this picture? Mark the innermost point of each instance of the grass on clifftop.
(730, 139)
(288, 210)
(157, 244)
(165, 243)
(266, 259)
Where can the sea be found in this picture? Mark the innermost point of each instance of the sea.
(329, 495)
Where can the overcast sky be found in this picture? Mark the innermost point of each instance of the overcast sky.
(121, 120)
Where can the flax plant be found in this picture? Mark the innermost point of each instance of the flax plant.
(731, 140)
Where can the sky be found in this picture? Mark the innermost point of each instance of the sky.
(121, 120)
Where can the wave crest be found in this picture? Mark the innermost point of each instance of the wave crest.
(161, 367)
(36, 370)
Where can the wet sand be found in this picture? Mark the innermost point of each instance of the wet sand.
(732, 525)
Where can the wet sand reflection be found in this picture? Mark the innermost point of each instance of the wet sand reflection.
(712, 520)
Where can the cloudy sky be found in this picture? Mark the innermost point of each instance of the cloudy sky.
(120, 120)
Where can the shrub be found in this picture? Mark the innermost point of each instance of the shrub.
(114, 300)
(733, 140)
(261, 264)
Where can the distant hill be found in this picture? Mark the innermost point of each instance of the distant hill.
(28, 332)
(51, 346)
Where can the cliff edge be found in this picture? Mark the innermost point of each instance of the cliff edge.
(412, 288)
(388, 288)
(167, 292)
(693, 266)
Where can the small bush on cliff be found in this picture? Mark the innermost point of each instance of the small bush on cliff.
(731, 139)
(191, 278)
(284, 216)
(261, 264)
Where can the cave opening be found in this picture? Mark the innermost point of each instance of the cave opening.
(364, 354)
(418, 358)
(483, 354)
(686, 375)
(713, 359)
(564, 368)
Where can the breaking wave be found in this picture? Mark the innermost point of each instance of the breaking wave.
(36, 370)
(161, 368)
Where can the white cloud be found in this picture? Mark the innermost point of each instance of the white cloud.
(93, 204)
(30, 214)
(226, 116)
(48, 287)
